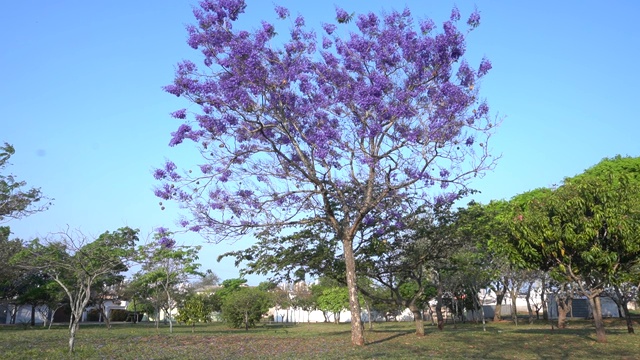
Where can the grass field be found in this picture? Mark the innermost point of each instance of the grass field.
(322, 341)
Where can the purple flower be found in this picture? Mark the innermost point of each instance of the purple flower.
(469, 141)
(162, 230)
(329, 28)
(206, 168)
(179, 114)
(474, 19)
(159, 174)
(455, 14)
(426, 26)
(179, 135)
(167, 242)
(342, 16)
(485, 66)
(282, 12)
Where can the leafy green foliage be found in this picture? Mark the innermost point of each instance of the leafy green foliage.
(15, 202)
(165, 272)
(245, 307)
(196, 308)
(75, 264)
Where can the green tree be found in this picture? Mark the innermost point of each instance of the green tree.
(74, 263)
(15, 201)
(334, 300)
(194, 309)
(587, 231)
(245, 307)
(166, 268)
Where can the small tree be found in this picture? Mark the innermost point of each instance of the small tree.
(74, 263)
(245, 307)
(15, 201)
(334, 300)
(166, 267)
(587, 231)
(195, 308)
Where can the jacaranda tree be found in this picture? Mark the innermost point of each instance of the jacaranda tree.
(324, 128)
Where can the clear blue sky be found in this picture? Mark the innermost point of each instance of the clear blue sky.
(81, 98)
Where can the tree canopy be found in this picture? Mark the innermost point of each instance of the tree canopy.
(15, 200)
(332, 129)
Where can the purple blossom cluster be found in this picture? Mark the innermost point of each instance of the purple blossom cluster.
(281, 126)
(164, 238)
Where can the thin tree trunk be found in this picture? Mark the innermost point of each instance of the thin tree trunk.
(33, 315)
(497, 314)
(417, 318)
(439, 316)
(528, 298)
(543, 299)
(627, 316)
(357, 330)
(622, 303)
(369, 314)
(73, 329)
(594, 302)
(514, 308)
(564, 306)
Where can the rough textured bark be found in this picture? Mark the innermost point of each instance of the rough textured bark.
(596, 309)
(564, 306)
(514, 308)
(417, 318)
(357, 330)
(627, 317)
(73, 329)
(543, 300)
(500, 293)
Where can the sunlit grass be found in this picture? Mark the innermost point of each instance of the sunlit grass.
(322, 341)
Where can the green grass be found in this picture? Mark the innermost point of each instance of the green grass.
(322, 341)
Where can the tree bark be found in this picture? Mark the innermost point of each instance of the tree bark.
(528, 298)
(357, 330)
(439, 316)
(627, 317)
(417, 318)
(564, 306)
(543, 300)
(73, 329)
(497, 316)
(33, 315)
(594, 302)
(514, 308)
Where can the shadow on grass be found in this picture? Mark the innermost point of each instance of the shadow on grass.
(388, 338)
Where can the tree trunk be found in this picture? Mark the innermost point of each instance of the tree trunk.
(528, 298)
(103, 313)
(564, 306)
(135, 311)
(439, 316)
(514, 308)
(596, 309)
(417, 318)
(627, 316)
(73, 329)
(543, 300)
(357, 330)
(33, 315)
(369, 314)
(497, 316)
(14, 313)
